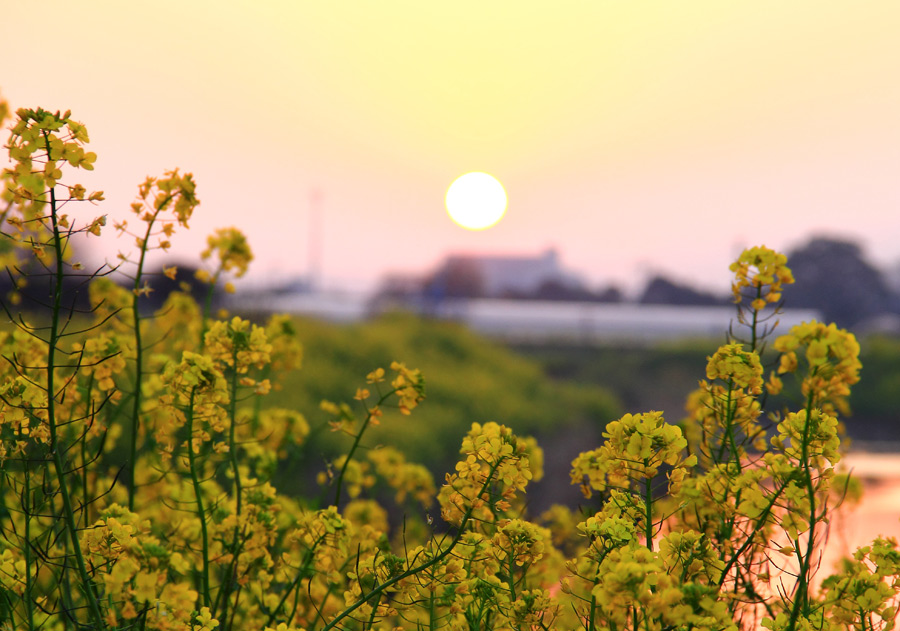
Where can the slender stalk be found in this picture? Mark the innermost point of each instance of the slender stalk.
(755, 322)
(225, 593)
(56, 450)
(648, 512)
(232, 446)
(801, 594)
(86, 497)
(301, 573)
(138, 371)
(764, 514)
(354, 446)
(201, 512)
(29, 581)
(512, 582)
(375, 611)
(422, 566)
(432, 619)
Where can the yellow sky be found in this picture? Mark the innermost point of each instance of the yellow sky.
(631, 135)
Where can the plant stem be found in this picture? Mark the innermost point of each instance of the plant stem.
(138, 370)
(801, 595)
(648, 512)
(201, 512)
(225, 594)
(55, 447)
(354, 446)
(29, 581)
(423, 566)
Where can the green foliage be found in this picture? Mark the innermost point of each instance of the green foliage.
(671, 368)
(877, 397)
(469, 379)
(714, 523)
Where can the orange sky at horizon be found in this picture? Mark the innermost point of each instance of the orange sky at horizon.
(634, 137)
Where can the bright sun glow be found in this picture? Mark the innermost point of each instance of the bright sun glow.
(476, 201)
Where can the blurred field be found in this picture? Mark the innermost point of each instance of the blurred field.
(468, 379)
(658, 377)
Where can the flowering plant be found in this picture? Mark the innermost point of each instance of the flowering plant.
(716, 522)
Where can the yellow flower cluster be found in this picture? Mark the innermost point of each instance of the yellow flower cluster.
(809, 435)
(636, 446)
(616, 525)
(102, 358)
(41, 144)
(865, 594)
(168, 201)
(287, 352)
(238, 345)
(519, 542)
(196, 388)
(45, 137)
(732, 364)
(357, 476)
(408, 385)
(723, 415)
(495, 468)
(267, 436)
(832, 363)
(408, 479)
(135, 567)
(181, 312)
(764, 272)
(231, 248)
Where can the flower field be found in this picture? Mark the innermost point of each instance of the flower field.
(137, 453)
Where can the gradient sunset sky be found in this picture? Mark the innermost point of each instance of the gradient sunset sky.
(633, 136)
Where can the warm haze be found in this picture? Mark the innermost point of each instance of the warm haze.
(633, 136)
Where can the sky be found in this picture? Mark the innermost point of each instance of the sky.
(635, 137)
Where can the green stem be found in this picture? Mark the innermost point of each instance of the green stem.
(764, 514)
(301, 573)
(55, 447)
(375, 610)
(232, 447)
(138, 371)
(86, 498)
(354, 446)
(755, 323)
(432, 612)
(728, 432)
(512, 582)
(648, 512)
(232, 568)
(201, 512)
(422, 566)
(801, 595)
(29, 581)
(139, 352)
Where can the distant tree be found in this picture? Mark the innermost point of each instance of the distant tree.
(662, 291)
(832, 276)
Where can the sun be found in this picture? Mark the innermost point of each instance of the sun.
(476, 201)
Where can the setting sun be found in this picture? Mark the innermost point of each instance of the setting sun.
(476, 201)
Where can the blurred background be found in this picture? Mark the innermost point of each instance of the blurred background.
(642, 147)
